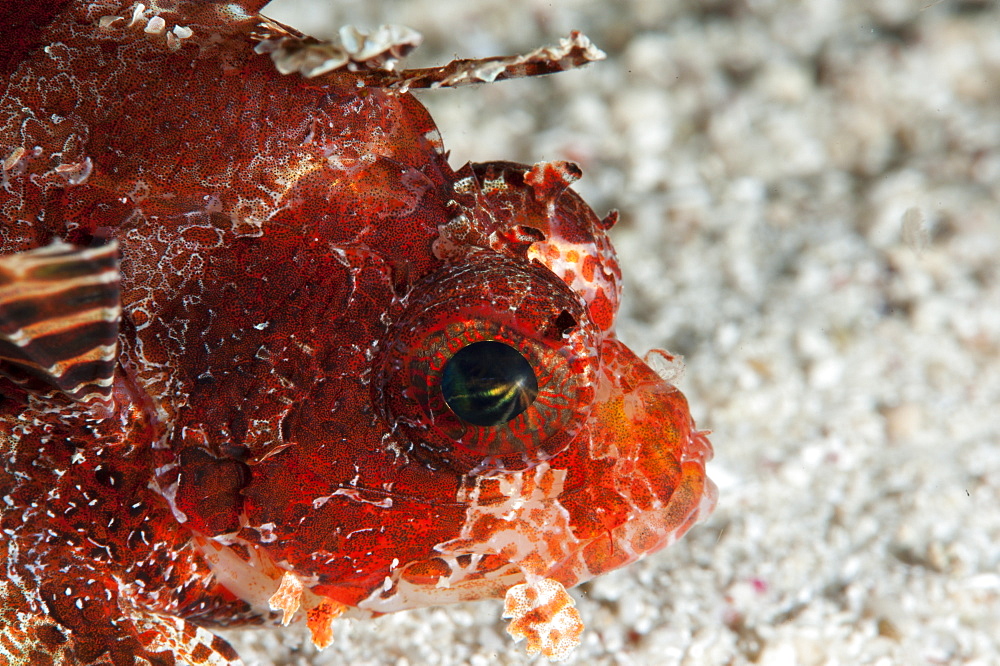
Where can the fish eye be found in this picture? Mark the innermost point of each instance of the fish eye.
(488, 383)
(490, 365)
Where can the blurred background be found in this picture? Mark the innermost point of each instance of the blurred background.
(810, 215)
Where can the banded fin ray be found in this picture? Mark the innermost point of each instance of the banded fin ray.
(59, 316)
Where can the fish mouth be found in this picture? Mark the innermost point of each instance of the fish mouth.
(644, 482)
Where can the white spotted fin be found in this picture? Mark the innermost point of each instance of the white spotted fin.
(59, 315)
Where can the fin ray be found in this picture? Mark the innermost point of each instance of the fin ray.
(59, 315)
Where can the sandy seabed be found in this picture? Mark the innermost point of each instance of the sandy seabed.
(809, 197)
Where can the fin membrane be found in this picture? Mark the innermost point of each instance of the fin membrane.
(59, 314)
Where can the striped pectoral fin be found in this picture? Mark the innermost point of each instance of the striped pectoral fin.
(59, 315)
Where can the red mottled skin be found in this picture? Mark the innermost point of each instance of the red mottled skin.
(287, 247)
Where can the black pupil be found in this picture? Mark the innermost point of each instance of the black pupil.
(488, 383)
